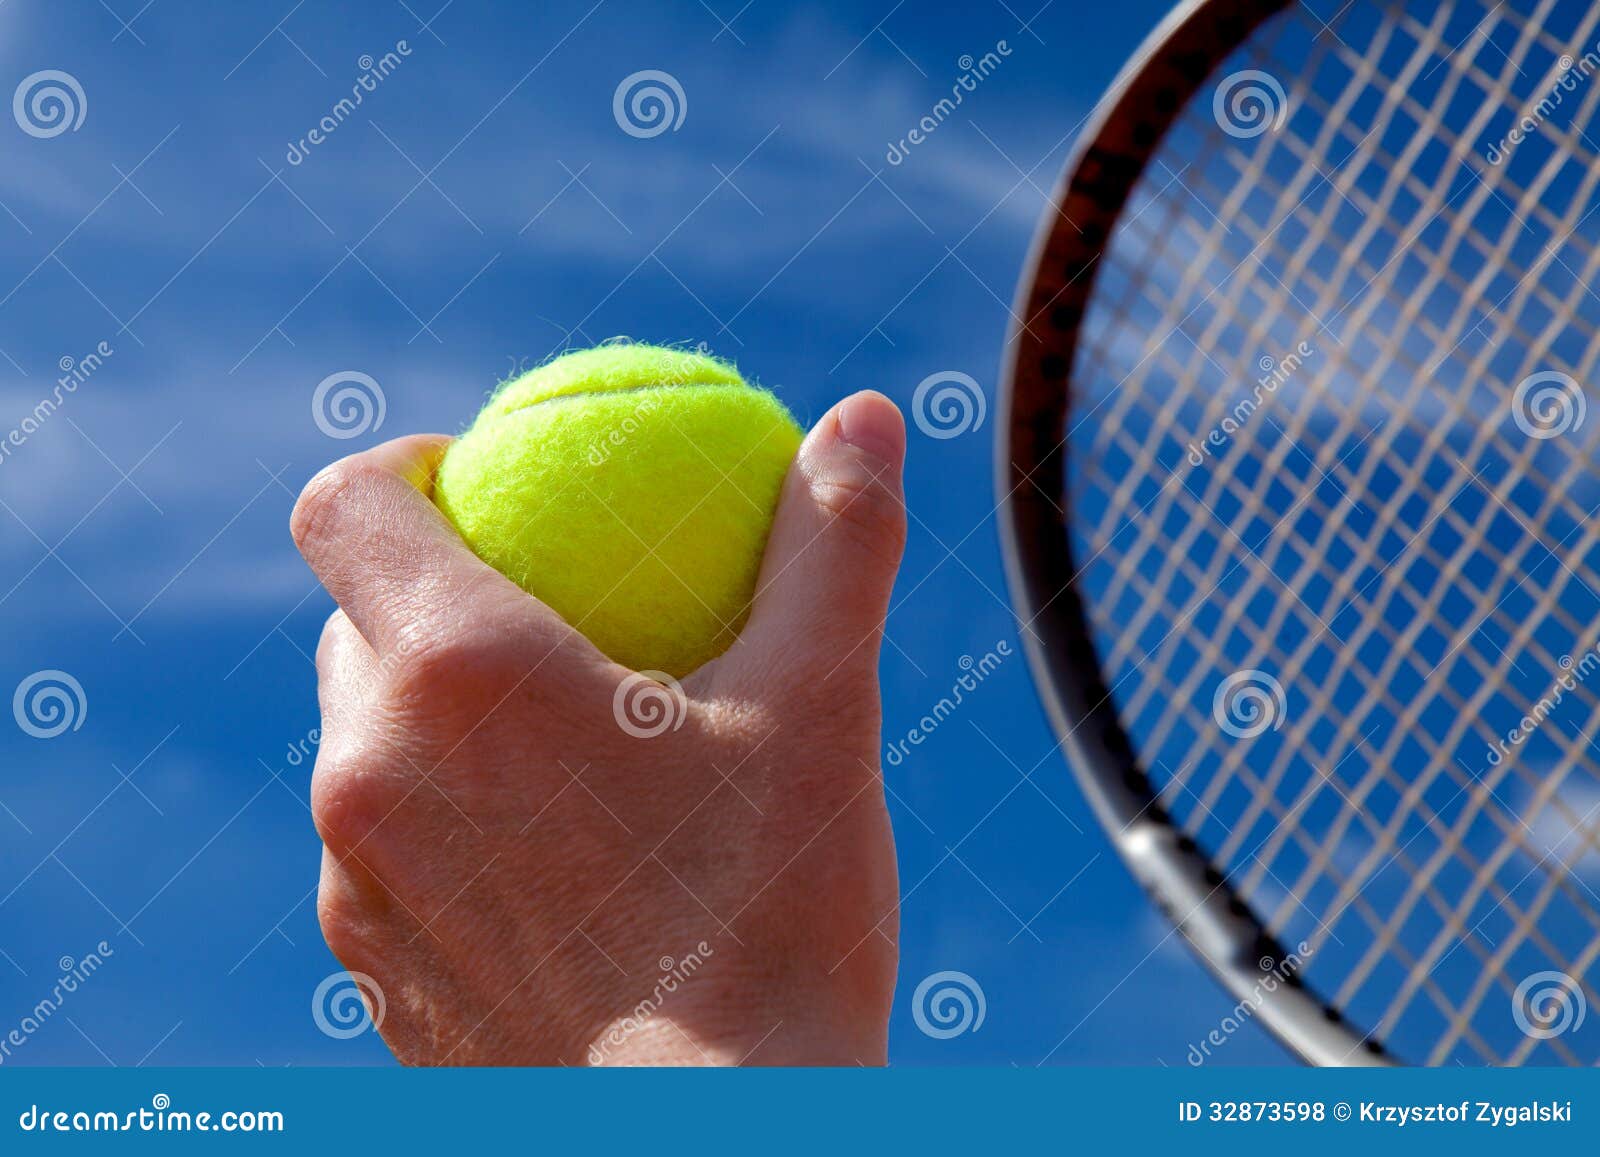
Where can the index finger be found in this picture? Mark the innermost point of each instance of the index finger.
(369, 529)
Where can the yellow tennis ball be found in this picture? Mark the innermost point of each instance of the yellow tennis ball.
(631, 488)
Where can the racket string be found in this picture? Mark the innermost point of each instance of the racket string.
(1112, 426)
(1350, 889)
(1512, 564)
(1230, 307)
(1263, 792)
(1113, 415)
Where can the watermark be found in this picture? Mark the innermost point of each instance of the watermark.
(1275, 974)
(1573, 672)
(973, 73)
(1249, 103)
(1549, 1004)
(74, 974)
(649, 703)
(49, 103)
(618, 434)
(373, 74)
(347, 1004)
(160, 1117)
(1274, 373)
(649, 103)
(74, 373)
(348, 404)
(948, 1004)
(674, 973)
(1547, 405)
(1573, 74)
(304, 749)
(47, 703)
(976, 671)
(1249, 703)
(948, 404)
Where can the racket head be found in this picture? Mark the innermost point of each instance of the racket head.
(1069, 630)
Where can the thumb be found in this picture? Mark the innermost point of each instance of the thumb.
(835, 545)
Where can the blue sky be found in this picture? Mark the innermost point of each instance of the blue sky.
(481, 210)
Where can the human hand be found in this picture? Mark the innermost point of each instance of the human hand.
(527, 873)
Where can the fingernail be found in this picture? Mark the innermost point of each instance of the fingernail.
(871, 422)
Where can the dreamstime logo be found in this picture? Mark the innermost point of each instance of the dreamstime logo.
(1573, 74)
(73, 975)
(948, 404)
(74, 373)
(373, 74)
(1274, 373)
(1573, 672)
(975, 671)
(1275, 974)
(617, 434)
(1249, 103)
(160, 1118)
(1547, 405)
(973, 73)
(348, 404)
(347, 1004)
(674, 974)
(649, 703)
(47, 703)
(948, 1004)
(648, 103)
(1548, 1004)
(47, 104)
(305, 749)
(1249, 703)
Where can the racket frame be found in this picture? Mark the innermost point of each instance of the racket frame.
(1118, 139)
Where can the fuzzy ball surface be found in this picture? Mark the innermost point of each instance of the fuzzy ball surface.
(630, 488)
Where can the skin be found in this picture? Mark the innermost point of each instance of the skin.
(526, 882)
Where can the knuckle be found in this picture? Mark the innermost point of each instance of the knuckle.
(423, 664)
(335, 634)
(351, 796)
(315, 511)
(448, 663)
(308, 524)
(864, 512)
(344, 923)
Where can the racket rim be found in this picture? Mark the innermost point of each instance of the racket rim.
(1186, 886)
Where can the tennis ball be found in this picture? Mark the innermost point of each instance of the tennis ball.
(630, 488)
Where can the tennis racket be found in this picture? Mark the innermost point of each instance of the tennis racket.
(1300, 504)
